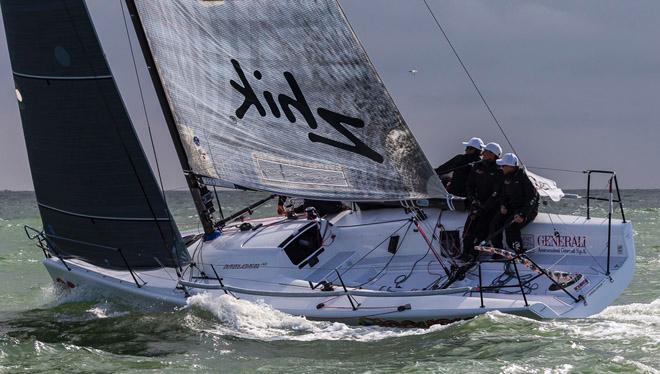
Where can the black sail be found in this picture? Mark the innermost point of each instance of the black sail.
(96, 192)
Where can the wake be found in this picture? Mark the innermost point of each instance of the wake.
(250, 320)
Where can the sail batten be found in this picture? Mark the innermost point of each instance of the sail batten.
(106, 218)
(280, 96)
(52, 77)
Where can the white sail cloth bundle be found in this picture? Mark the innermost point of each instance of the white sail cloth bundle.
(546, 187)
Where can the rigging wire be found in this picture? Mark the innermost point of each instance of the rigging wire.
(556, 169)
(404, 277)
(371, 279)
(377, 245)
(474, 84)
(144, 106)
(104, 99)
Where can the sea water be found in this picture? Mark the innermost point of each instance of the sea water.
(43, 331)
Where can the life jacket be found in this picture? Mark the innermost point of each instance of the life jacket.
(518, 194)
(483, 184)
(460, 168)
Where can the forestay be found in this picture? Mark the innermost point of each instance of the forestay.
(281, 96)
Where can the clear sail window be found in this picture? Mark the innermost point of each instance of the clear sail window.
(62, 56)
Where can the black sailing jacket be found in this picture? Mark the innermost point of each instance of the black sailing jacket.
(518, 194)
(483, 184)
(460, 165)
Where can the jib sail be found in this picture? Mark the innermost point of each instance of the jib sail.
(96, 192)
(280, 96)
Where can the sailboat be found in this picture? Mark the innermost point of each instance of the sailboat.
(280, 97)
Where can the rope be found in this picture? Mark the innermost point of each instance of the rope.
(555, 169)
(377, 245)
(116, 128)
(474, 84)
(375, 223)
(390, 260)
(525, 280)
(144, 106)
(404, 277)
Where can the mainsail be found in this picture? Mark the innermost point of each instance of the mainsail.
(280, 96)
(98, 198)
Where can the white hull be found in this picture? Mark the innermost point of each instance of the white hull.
(252, 265)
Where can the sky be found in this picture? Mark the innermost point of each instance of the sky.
(574, 84)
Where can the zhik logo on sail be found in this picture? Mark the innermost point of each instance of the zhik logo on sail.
(334, 119)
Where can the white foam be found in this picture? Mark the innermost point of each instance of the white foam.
(54, 294)
(250, 320)
(524, 369)
(517, 369)
(105, 310)
(260, 321)
(640, 366)
(646, 314)
(631, 321)
(43, 348)
(577, 346)
(500, 318)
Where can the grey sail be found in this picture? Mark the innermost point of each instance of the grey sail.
(280, 96)
(97, 195)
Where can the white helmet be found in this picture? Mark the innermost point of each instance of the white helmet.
(509, 159)
(494, 148)
(475, 143)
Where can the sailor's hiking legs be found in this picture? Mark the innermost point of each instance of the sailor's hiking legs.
(512, 231)
(492, 226)
(476, 230)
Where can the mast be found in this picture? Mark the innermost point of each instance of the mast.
(201, 195)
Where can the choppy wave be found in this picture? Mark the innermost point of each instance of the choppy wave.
(639, 313)
(45, 330)
(260, 321)
(528, 369)
(494, 342)
(637, 321)
(636, 365)
(106, 310)
(250, 320)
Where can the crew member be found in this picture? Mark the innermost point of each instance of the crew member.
(459, 167)
(323, 207)
(280, 205)
(482, 188)
(519, 204)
